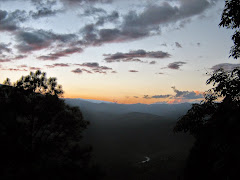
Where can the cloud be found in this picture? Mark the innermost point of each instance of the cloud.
(22, 66)
(9, 21)
(48, 58)
(41, 39)
(14, 69)
(77, 71)
(187, 94)
(178, 45)
(164, 44)
(44, 12)
(146, 97)
(133, 71)
(132, 55)
(153, 16)
(19, 57)
(5, 48)
(58, 65)
(131, 60)
(5, 60)
(95, 67)
(175, 65)
(180, 96)
(34, 68)
(161, 96)
(73, 3)
(107, 18)
(44, 9)
(90, 65)
(59, 54)
(31, 41)
(87, 71)
(9, 59)
(92, 11)
(157, 96)
(131, 26)
(225, 66)
(153, 62)
(137, 25)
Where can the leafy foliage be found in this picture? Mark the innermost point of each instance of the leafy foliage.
(231, 20)
(227, 84)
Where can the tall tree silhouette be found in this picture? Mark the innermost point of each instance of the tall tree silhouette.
(38, 83)
(216, 127)
(215, 121)
(40, 134)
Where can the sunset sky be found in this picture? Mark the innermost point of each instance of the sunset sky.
(124, 51)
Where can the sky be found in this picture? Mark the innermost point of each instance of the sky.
(138, 51)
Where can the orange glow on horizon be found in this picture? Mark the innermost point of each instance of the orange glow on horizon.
(124, 100)
(174, 101)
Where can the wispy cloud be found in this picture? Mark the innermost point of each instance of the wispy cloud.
(133, 71)
(58, 65)
(56, 55)
(132, 55)
(10, 59)
(176, 65)
(14, 69)
(77, 71)
(95, 67)
(34, 68)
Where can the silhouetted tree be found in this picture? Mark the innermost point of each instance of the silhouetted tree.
(216, 127)
(231, 20)
(40, 135)
(216, 124)
(38, 83)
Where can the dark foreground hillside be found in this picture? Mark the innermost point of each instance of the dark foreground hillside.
(121, 141)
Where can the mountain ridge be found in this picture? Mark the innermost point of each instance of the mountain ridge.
(170, 110)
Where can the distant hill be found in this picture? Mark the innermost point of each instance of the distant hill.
(169, 110)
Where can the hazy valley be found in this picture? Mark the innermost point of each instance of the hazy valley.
(123, 135)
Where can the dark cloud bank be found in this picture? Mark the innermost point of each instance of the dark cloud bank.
(133, 25)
